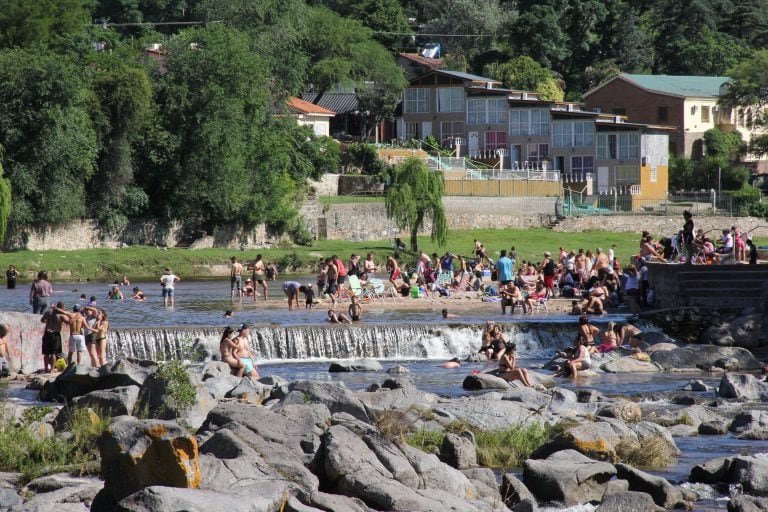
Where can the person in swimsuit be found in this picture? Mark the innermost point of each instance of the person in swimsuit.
(40, 293)
(236, 278)
(452, 363)
(498, 343)
(242, 352)
(10, 277)
(339, 318)
(91, 319)
(309, 296)
(115, 293)
(393, 269)
(226, 346)
(508, 369)
(369, 265)
(332, 280)
(138, 294)
(609, 339)
(5, 330)
(259, 275)
(355, 310)
(291, 290)
(53, 321)
(76, 337)
(582, 359)
(485, 340)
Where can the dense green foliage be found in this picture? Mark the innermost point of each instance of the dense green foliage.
(414, 197)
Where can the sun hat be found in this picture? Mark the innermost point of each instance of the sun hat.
(547, 253)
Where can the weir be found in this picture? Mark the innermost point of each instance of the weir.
(381, 341)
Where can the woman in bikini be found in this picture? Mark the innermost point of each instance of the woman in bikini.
(99, 345)
(226, 346)
(609, 339)
(508, 369)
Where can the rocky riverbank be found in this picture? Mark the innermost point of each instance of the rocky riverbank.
(305, 446)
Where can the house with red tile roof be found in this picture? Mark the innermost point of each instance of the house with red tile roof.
(309, 114)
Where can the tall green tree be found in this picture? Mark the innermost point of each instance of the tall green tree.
(416, 195)
(5, 201)
(524, 73)
(26, 23)
(45, 126)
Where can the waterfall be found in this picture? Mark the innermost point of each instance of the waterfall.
(381, 341)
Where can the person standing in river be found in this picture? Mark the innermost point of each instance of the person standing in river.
(236, 278)
(168, 280)
(10, 277)
(52, 336)
(259, 276)
(40, 293)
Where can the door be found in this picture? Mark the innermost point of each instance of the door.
(426, 129)
(515, 152)
(472, 143)
(602, 180)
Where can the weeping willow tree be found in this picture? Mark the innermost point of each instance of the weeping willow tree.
(415, 196)
(5, 200)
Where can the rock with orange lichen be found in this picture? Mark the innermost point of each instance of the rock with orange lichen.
(140, 453)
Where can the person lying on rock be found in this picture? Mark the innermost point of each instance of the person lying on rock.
(508, 369)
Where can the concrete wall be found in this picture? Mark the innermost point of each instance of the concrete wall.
(493, 188)
(327, 186)
(25, 341)
(660, 225)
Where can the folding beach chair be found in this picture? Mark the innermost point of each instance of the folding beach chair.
(375, 288)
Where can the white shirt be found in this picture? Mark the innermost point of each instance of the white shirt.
(168, 281)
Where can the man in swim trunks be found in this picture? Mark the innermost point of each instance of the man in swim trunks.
(53, 321)
(355, 310)
(76, 337)
(259, 276)
(393, 269)
(236, 278)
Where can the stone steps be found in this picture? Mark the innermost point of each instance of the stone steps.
(746, 284)
(725, 294)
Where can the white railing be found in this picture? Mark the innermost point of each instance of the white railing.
(446, 163)
(511, 174)
(578, 177)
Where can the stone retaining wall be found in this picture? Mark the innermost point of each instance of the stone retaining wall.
(660, 225)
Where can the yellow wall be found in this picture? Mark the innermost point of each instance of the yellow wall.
(503, 188)
(657, 189)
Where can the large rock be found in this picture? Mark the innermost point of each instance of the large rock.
(156, 401)
(356, 365)
(647, 431)
(141, 453)
(484, 381)
(596, 440)
(703, 357)
(742, 387)
(119, 401)
(458, 450)
(487, 414)
(622, 409)
(59, 492)
(663, 493)
(630, 501)
(750, 472)
(262, 498)
(629, 365)
(219, 385)
(336, 398)
(250, 391)
(744, 503)
(744, 331)
(750, 424)
(516, 495)
(402, 397)
(567, 477)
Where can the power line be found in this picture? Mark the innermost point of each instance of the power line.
(430, 35)
(106, 24)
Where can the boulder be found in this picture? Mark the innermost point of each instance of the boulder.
(567, 477)
(563, 395)
(398, 369)
(647, 430)
(629, 365)
(627, 501)
(9, 499)
(155, 401)
(60, 492)
(745, 503)
(76, 380)
(516, 495)
(663, 493)
(215, 369)
(498, 415)
(587, 396)
(336, 502)
(141, 453)
(250, 391)
(484, 482)
(742, 387)
(622, 409)
(703, 357)
(356, 365)
(458, 450)
(264, 498)
(744, 331)
(749, 421)
(716, 427)
(119, 401)
(336, 398)
(696, 385)
(596, 440)
(402, 397)
(729, 364)
(712, 472)
(749, 472)
(218, 386)
(484, 381)
(528, 396)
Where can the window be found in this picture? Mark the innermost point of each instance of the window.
(662, 114)
(539, 122)
(497, 111)
(629, 146)
(495, 140)
(416, 101)
(562, 135)
(704, 114)
(449, 130)
(583, 134)
(626, 176)
(619, 111)
(537, 152)
(411, 131)
(582, 164)
(606, 146)
(450, 99)
(476, 112)
(653, 174)
(518, 122)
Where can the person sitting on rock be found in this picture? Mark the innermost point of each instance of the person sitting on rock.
(485, 340)
(609, 339)
(582, 360)
(498, 343)
(339, 318)
(508, 369)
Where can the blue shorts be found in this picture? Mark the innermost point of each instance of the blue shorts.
(167, 292)
(248, 364)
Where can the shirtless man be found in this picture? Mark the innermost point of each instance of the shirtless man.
(242, 352)
(236, 278)
(259, 276)
(393, 269)
(369, 265)
(355, 310)
(602, 264)
(76, 337)
(53, 321)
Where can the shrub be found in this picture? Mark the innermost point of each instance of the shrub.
(654, 452)
(393, 425)
(181, 394)
(426, 440)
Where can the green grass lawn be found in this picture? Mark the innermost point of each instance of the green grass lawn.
(326, 200)
(142, 262)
